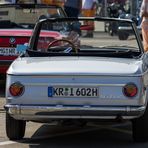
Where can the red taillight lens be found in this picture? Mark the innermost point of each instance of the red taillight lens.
(130, 90)
(16, 89)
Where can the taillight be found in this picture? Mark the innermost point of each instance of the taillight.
(130, 90)
(16, 89)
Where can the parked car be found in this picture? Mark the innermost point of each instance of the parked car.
(124, 31)
(16, 24)
(102, 78)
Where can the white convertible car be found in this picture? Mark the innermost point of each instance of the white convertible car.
(83, 79)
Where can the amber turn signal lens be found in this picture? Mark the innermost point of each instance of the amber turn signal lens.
(130, 90)
(16, 89)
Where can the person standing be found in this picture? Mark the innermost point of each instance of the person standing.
(144, 24)
(72, 7)
(89, 10)
(53, 2)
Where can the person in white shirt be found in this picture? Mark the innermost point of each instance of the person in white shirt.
(88, 4)
(89, 10)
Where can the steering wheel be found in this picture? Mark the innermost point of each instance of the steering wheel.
(63, 40)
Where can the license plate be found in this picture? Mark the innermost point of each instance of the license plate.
(8, 51)
(62, 91)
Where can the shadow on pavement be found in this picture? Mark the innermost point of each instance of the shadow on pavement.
(76, 137)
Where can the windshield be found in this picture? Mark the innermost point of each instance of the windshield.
(26, 15)
(93, 38)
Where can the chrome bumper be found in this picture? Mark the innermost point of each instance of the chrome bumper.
(75, 112)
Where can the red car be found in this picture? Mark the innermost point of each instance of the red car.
(16, 24)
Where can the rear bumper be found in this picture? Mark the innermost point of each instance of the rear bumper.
(39, 113)
(3, 69)
(4, 65)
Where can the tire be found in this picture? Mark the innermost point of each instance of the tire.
(110, 30)
(140, 128)
(141, 37)
(15, 129)
(123, 35)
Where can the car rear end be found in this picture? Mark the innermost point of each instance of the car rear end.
(9, 39)
(76, 94)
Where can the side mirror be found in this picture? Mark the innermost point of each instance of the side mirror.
(21, 48)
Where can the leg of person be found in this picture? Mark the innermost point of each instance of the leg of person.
(89, 13)
(145, 35)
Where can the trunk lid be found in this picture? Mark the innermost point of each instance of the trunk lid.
(75, 66)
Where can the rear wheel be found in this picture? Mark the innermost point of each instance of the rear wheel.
(140, 128)
(15, 129)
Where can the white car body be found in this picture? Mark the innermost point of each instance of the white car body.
(108, 74)
(88, 83)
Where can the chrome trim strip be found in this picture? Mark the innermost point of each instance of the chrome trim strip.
(72, 84)
(75, 75)
(61, 111)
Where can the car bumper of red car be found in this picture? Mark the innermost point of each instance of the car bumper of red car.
(4, 65)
